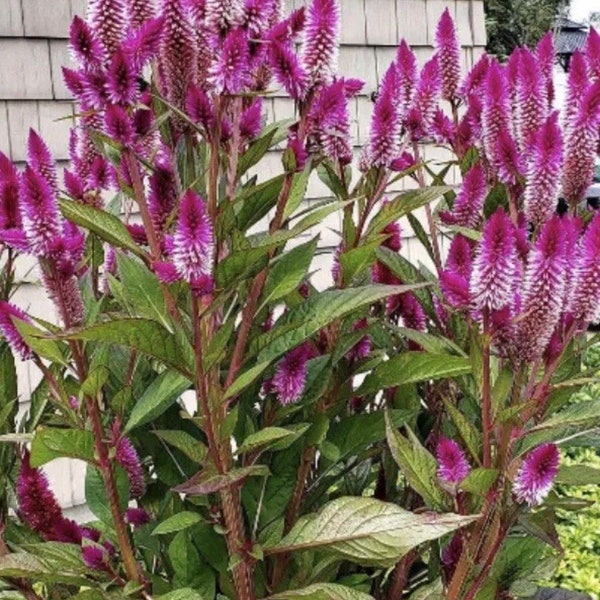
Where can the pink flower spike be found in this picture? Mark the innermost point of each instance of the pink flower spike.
(40, 159)
(496, 265)
(453, 466)
(251, 120)
(468, 205)
(536, 475)
(222, 15)
(39, 212)
(95, 557)
(427, 94)
(577, 86)
(8, 312)
(85, 48)
(287, 70)
(199, 107)
(543, 172)
(321, 41)
(118, 125)
(10, 216)
(140, 11)
(38, 507)
(495, 108)
(163, 191)
(144, 44)
(289, 29)
(137, 517)
(108, 19)
(545, 54)
(126, 455)
(230, 73)
(508, 159)
(74, 185)
(121, 79)
(544, 289)
(193, 246)
(592, 54)
(442, 128)
(460, 256)
(475, 78)
(448, 51)
(586, 285)
(290, 376)
(455, 289)
(166, 272)
(406, 64)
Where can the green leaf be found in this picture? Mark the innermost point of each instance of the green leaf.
(318, 311)
(182, 594)
(289, 271)
(241, 264)
(433, 591)
(50, 443)
(104, 225)
(246, 378)
(96, 497)
(255, 152)
(264, 438)
(190, 570)
(186, 443)
(160, 394)
(479, 481)
(466, 429)
(356, 260)
(256, 201)
(178, 522)
(322, 591)
(141, 334)
(578, 475)
(27, 566)
(297, 191)
(403, 204)
(209, 482)
(38, 341)
(412, 367)
(416, 463)
(142, 290)
(367, 531)
(433, 344)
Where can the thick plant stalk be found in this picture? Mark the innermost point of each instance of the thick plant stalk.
(486, 407)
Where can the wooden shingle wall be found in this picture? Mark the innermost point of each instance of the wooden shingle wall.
(33, 48)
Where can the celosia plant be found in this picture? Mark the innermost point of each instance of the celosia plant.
(178, 270)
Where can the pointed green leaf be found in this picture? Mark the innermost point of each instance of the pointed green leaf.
(322, 591)
(50, 443)
(194, 449)
(297, 191)
(263, 438)
(177, 522)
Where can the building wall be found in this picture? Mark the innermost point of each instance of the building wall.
(33, 47)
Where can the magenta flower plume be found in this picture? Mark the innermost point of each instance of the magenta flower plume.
(427, 93)
(531, 99)
(178, 52)
(581, 147)
(453, 466)
(362, 348)
(37, 505)
(321, 41)
(496, 265)
(8, 312)
(496, 108)
(442, 128)
(406, 64)
(126, 455)
(39, 211)
(10, 216)
(586, 285)
(536, 475)
(544, 289)
(144, 44)
(448, 52)
(545, 53)
(121, 79)
(251, 120)
(163, 191)
(288, 29)
(140, 11)
(85, 48)
(592, 54)
(40, 159)
(468, 205)
(258, 14)
(108, 19)
(193, 246)
(407, 309)
(507, 159)
(222, 15)
(200, 108)
(460, 256)
(386, 126)
(394, 233)
(543, 172)
(476, 78)
(95, 557)
(230, 73)
(512, 73)
(455, 289)
(290, 375)
(118, 125)
(137, 517)
(577, 86)
(287, 70)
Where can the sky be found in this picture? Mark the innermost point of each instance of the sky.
(581, 9)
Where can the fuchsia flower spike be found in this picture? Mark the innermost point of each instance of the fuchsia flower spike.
(193, 246)
(287, 70)
(121, 79)
(140, 11)
(544, 289)
(222, 15)
(200, 108)
(85, 48)
(230, 73)
(448, 52)
(577, 85)
(118, 125)
(468, 205)
(581, 147)
(40, 160)
(321, 41)
(177, 58)
(108, 19)
(427, 93)
(386, 127)
(592, 54)
(531, 99)
(494, 116)
(496, 264)
(251, 120)
(143, 45)
(586, 285)
(8, 312)
(290, 375)
(10, 216)
(406, 63)
(545, 54)
(543, 172)
(453, 466)
(536, 475)
(126, 455)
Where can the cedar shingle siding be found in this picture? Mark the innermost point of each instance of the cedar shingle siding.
(33, 47)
